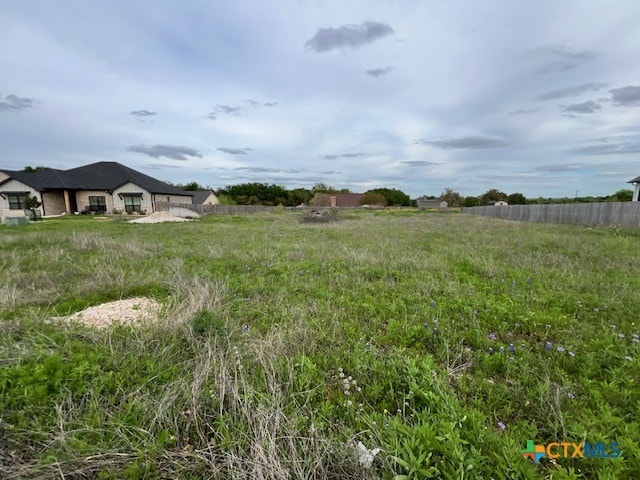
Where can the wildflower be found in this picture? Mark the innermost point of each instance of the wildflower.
(571, 395)
(547, 346)
(245, 328)
(528, 281)
(425, 326)
(359, 389)
(348, 403)
(435, 331)
(512, 349)
(517, 325)
(433, 304)
(621, 335)
(635, 335)
(501, 349)
(491, 352)
(635, 340)
(560, 349)
(571, 354)
(367, 345)
(548, 326)
(501, 426)
(492, 336)
(629, 358)
(596, 310)
(341, 375)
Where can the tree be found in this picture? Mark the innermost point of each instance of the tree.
(191, 187)
(322, 188)
(372, 198)
(493, 195)
(516, 199)
(470, 202)
(297, 196)
(37, 169)
(452, 197)
(624, 195)
(31, 204)
(393, 196)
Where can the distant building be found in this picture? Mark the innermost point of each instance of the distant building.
(496, 203)
(205, 197)
(428, 203)
(337, 199)
(636, 193)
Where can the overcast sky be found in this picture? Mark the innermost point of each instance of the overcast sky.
(539, 97)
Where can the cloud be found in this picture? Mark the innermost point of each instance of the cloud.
(270, 104)
(236, 111)
(561, 168)
(628, 96)
(561, 59)
(142, 113)
(608, 149)
(259, 169)
(353, 36)
(234, 151)
(343, 155)
(419, 163)
(12, 103)
(159, 166)
(586, 107)
(379, 72)
(253, 103)
(465, 142)
(175, 152)
(329, 172)
(570, 91)
(524, 112)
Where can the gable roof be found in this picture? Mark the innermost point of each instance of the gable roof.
(95, 176)
(199, 197)
(635, 180)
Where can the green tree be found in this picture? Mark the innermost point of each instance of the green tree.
(373, 198)
(516, 199)
(37, 169)
(32, 204)
(297, 196)
(494, 195)
(470, 202)
(393, 196)
(191, 187)
(624, 195)
(452, 197)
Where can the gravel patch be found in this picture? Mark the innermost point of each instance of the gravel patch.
(159, 217)
(131, 311)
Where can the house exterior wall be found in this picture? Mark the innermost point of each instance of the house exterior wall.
(53, 203)
(145, 203)
(16, 186)
(636, 193)
(212, 199)
(82, 199)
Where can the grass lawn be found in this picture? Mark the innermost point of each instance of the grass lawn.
(446, 341)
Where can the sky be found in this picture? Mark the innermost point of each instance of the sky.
(540, 98)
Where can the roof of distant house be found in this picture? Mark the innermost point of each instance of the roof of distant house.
(95, 176)
(635, 180)
(200, 196)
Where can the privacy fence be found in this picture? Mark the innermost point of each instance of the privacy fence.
(219, 209)
(625, 214)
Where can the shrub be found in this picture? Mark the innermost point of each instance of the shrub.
(321, 216)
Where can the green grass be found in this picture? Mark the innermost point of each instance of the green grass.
(285, 343)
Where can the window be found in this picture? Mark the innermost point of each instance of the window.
(97, 204)
(132, 203)
(16, 201)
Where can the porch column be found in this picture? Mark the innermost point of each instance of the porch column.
(636, 193)
(67, 202)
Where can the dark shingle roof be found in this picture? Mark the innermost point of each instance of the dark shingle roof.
(200, 197)
(635, 180)
(95, 176)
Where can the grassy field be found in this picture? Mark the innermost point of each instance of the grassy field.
(446, 341)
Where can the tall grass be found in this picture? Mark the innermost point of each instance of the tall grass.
(282, 344)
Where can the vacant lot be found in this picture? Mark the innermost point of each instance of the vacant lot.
(446, 341)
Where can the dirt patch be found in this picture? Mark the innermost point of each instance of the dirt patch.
(159, 217)
(131, 311)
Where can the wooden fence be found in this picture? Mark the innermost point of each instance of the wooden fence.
(219, 209)
(625, 214)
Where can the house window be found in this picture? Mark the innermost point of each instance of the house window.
(97, 204)
(132, 203)
(16, 202)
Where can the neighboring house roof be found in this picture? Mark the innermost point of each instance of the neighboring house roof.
(201, 196)
(635, 180)
(95, 176)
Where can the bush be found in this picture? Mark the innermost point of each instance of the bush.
(321, 216)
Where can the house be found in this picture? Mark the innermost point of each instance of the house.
(97, 187)
(496, 203)
(636, 193)
(205, 197)
(424, 202)
(337, 199)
